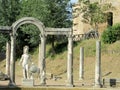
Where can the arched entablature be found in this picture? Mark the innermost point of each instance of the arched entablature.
(15, 26)
(28, 20)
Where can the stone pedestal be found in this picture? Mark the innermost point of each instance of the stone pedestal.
(28, 82)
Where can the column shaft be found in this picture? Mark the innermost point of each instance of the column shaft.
(42, 61)
(70, 62)
(12, 60)
(81, 69)
(8, 58)
(98, 65)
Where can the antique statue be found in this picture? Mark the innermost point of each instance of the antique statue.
(25, 60)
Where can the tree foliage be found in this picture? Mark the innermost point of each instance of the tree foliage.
(28, 34)
(58, 17)
(9, 10)
(53, 13)
(94, 13)
(58, 13)
(111, 34)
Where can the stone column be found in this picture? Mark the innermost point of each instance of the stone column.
(39, 56)
(81, 69)
(98, 65)
(42, 61)
(12, 61)
(8, 58)
(70, 62)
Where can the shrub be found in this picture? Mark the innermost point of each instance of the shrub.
(111, 34)
(116, 26)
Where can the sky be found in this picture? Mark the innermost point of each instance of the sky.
(74, 1)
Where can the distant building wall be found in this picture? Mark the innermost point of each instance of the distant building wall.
(77, 24)
(80, 28)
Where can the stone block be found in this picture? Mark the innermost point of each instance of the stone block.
(111, 82)
(28, 82)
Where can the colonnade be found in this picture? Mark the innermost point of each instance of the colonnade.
(42, 53)
(10, 53)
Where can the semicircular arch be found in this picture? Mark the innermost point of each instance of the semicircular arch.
(28, 20)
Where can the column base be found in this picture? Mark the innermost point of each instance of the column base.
(12, 84)
(97, 86)
(81, 78)
(42, 84)
(28, 82)
(70, 85)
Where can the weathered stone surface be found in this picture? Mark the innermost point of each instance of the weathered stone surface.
(98, 65)
(8, 58)
(28, 82)
(58, 31)
(5, 29)
(25, 61)
(81, 69)
(33, 68)
(70, 62)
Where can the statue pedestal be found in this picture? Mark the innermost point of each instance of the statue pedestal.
(28, 82)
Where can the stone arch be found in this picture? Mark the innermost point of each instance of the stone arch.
(15, 26)
(26, 20)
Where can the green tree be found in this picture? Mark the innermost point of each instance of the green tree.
(28, 34)
(9, 10)
(94, 13)
(53, 13)
(111, 34)
(33, 8)
(58, 17)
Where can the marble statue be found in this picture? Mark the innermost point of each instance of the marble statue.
(26, 61)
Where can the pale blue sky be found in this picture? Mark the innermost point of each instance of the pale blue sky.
(74, 1)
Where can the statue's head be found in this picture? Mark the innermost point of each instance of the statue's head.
(25, 49)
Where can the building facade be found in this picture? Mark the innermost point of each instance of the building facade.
(81, 28)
